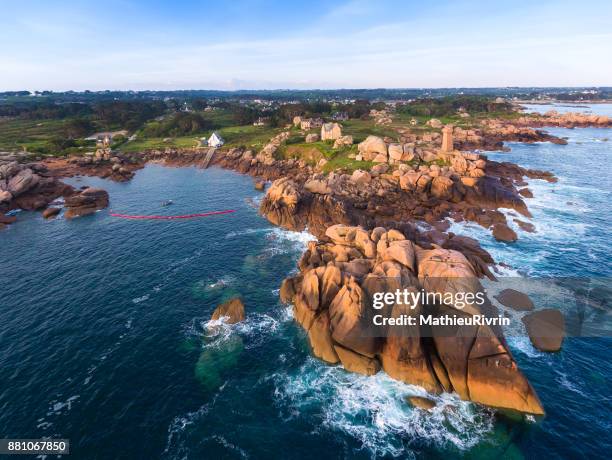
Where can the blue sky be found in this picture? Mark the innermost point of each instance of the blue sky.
(180, 44)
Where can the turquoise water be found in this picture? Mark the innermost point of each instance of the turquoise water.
(104, 337)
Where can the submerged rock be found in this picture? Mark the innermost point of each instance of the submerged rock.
(51, 212)
(421, 402)
(525, 226)
(6, 219)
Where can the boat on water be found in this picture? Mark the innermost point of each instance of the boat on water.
(167, 203)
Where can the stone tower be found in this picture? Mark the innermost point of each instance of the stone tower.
(447, 139)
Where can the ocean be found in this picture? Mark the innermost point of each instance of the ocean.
(105, 338)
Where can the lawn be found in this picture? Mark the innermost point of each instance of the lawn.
(248, 136)
(360, 129)
(313, 152)
(141, 144)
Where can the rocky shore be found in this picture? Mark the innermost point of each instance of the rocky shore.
(377, 229)
(35, 187)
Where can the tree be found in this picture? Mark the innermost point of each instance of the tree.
(78, 127)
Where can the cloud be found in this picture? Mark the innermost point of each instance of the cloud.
(403, 53)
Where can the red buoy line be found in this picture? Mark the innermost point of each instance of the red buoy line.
(186, 216)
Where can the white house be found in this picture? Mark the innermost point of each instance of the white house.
(215, 140)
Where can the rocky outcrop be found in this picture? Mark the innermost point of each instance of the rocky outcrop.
(380, 198)
(21, 182)
(514, 299)
(565, 120)
(260, 185)
(501, 232)
(28, 186)
(342, 141)
(267, 152)
(333, 301)
(85, 202)
(231, 311)
(546, 329)
(373, 148)
(434, 123)
(281, 202)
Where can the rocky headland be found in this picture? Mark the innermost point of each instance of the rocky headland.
(332, 300)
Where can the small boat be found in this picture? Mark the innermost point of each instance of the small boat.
(167, 203)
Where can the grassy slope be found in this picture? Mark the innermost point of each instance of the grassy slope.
(32, 134)
(235, 136)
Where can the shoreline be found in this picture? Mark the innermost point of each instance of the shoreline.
(301, 197)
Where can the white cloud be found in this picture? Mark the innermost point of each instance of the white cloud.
(393, 54)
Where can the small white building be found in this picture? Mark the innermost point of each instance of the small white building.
(215, 140)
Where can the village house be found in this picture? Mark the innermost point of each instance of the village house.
(103, 141)
(330, 131)
(297, 121)
(215, 140)
(339, 116)
(261, 121)
(106, 137)
(311, 123)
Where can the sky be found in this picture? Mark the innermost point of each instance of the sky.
(265, 44)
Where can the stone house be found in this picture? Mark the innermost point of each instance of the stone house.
(311, 123)
(330, 131)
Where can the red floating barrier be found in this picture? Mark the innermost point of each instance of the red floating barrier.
(186, 216)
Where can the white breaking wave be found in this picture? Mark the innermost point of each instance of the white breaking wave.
(373, 410)
(255, 329)
(143, 298)
(571, 385)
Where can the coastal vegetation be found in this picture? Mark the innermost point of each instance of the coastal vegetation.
(61, 124)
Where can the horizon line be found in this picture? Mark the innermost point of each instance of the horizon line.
(382, 88)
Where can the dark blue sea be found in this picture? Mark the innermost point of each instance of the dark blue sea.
(104, 336)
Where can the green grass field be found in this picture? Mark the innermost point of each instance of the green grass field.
(32, 135)
(360, 129)
(247, 136)
(313, 152)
